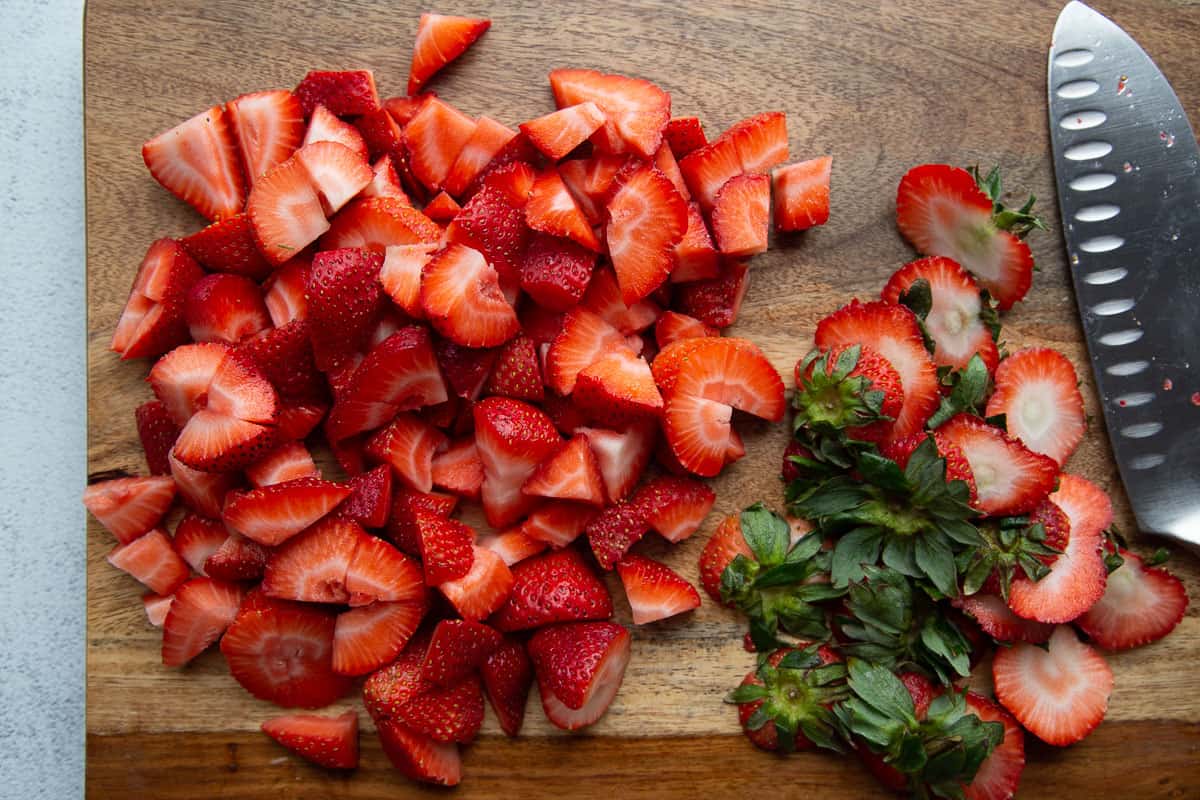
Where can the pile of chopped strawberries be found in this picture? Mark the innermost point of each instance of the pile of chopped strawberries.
(462, 313)
(932, 524)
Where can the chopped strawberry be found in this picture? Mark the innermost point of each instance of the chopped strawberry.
(801, 194)
(1011, 479)
(381, 133)
(128, 507)
(197, 161)
(298, 420)
(558, 586)
(487, 140)
(675, 506)
(683, 135)
(228, 246)
(570, 474)
(955, 320)
(237, 559)
(457, 648)
(725, 370)
(635, 110)
(603, 297)
(196, 538)
(403, 109)
(558, 133)
(330, 742)
(153, 321)
(558, 522)
(615, 529)
(556, 271)
(225, 308)
(1000, 773)
(622, 454)
(466, 368)
(370, 500)
(446, 713)
(725, 544)
(442, 208)
(400, 275)
(511, 176)
(1037, 391)
(1060, 693)
(552, 209)
(485, 587)
(461, 297)
(435, 137)
(311, 566)
(408, 444)
(513, 545)
(716, 301)
(751, 147)
(665, 161)
(201, 611)
(325, 127)
(584, 338)
(284, 292)
(368, 637)
(446, 547)
(589, 180)
(493, 225)
(151, 559)
(696, 256)
(655, 591)
(1140, 605)
(379, 572)
(998, 620)
(440, 40)
(673, 326)
(616, 388)
(284, 355)
(344, 93)
(579, 667)
(268, 127)
(508, 675)
(386, 182)
(157, 432)
(741, 215)
(344, 301)
(285, 211)
(273, 514)
(646, 220)
(419, 757)
(203, 492)
(157, 608)
(402, 524)
(516, 372)
(377, 223)
(336, 172)
(512, 438)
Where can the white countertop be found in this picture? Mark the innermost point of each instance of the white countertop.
(42, 400)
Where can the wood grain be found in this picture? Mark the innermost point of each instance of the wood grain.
(879, 86)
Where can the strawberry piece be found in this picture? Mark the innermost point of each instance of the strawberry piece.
(466, 368)
(552, 209)
(616, 388)
(238, 389)
(589, 180)
(716, 301)
(998, 621)
(336, 172)
(228, 246)
(400, 275)
(368, 637)
(445, 545)
(487, 140)
(377, 223)
(1037, 390)
(508, 675)
(709, 167)
(1000, 773)
(311, 566)
(442, 208)
(330, 742)
(584, 338)
(579, 668)
(268, 127)
(555, 272)
(1140, 605)
(647, 219)
(457, 648)
(197, 161)
(297, 421)
(370, 500)
(284, 356)
(157, 608)
(1060, 693)
(513, 545)
(673, 326)
(237, 559)
(512, 438)
(622, 454)
(403, 109)
(655, 591)
(603, 297)
(614, 530)
(675, 506)
(558, 133)
(516, 372)
(273, 514)
(379, 572)
(128, 507)
(635, 110)
(196, 538)
(558, 523)
(943, 212)
(157, 432)
(493, 225)
(801, 194)
(408, 444)
(344, 301)
(730, 371)
(570, 474)
(447, 714)
(440, 40)
(325, 127)
(683, 135)
(556, 587)
(1077, 577)
(150, 559)
(461, 297)
(201, 610)
(284, 292)
(483, 589)
(725, 544)
(386, 181)
(381, 133)
(435, 137)
(751, 147)
(152, 321)
(665, 161)
(402, 524)
(741, 215)
(203, 492)
(696, 256)
(509, 174)
(1011, 478)
(419, 757)
(344, 93)
(893, 331)
(285, 211)
(225, 308)
(955, 320)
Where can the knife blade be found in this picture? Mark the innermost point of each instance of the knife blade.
(1128, 175)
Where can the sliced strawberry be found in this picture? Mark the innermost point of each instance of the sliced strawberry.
(1011, 479)
(400, 275)
(730, 371)
(461, 297)
(435, 137)
(483, 589)
(203, 492)
(330, 742)
(157, 608)
(508, 174)
(998, 620)
(216, 442)
(556, 587)
(153, 321)
(285, 211)
(128, 507)
(622, 454)
(512, 438)
(228, 246)
(635, 110)
(715, 301)
(508, 675)
(442, 208)
(370, 500)
(1037, 391)
(225, 308)
(403, 109)
(197, 161)
(466, 368)
(157, 432)
(675, 506)
(893, 331)
(558, 522)
(696, 256)
(589, 180)
(408, 444)
(386, 182)
(445, 545)
(673, 326)
(419, 757)
(665, 161)
(196, 538)
(284, 356)
(579, 668)
(1060, 693)
(446, 713)
(584, 338)
(552, 209)
(493, 225)
(379, 572)
(1140, 605)
(377, 223)
(312, 566)
(368, 637)
(604, 297)
(237, 559)
(440, 40)
(344, 93)
(684, 134)
(336, 172)
(725, 544)
(268, 127)
(801, 194)
(486, 141)
(284, 292)
(655, 591)
(457, 648)
(647, 219)
(1000, 773)
(381, 133)
(616, 388)
(741, 215)
(752, 147)
(512, 545)
(150, 559)
(571, 474)
(344, 302)
(614, 530)
(201, 611)
(298, 420)
(709, 167)
(556, 271)
(239, 389)
(325, 127)
(558, 133)
(402, 524)
(516, 372)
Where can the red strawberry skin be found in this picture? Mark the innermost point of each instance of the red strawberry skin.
(556, 587)
(579, 665)
(158, 432)
(330, 742)
(507, 676)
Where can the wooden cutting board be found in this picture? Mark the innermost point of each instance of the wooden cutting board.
(880, 87)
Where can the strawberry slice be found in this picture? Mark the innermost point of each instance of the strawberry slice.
(419, 757)
(487, 140)
(616, 388)
(461, 298)
(1011, 478)
(556, 587)
(152, 321)
(647, 218)
(344, 93)
(128, 507)
(368, 637)
(466, 368)
(589, 180)
(492, 224)
(216, 442)
(579, 668)
(344, 302)
(336, 172)
(442, 208)
(386, 181)
(435, 137)
(485, 587)
(750, 147)
(1037, 390)
(239, 389)
(312, 565)
(801, 194)
(225, 308)
(570, 474)
(203, 492)
(603, 297)
(655, 591)
(584, 338)
(893, 331)
(370, 500)
(622, 454)
(615, 529)
(157, 433)
(457, 648)
(558, 523)
(716, 301)
(197, 161)
(552, 209)
(284, 292)
(955, 320)
(512, 438)
(440, 40)
(998, 620)
(741, 215)
(268, 127)
(675, 506)
(665, 161)
(377, 223)
(516, 372)
(725, 544)
(400, 275)
(237, 559)
(228, 246)
(635, 110)
(558, 133)
(284, 356)
(447, 714)
(408, 444)
(555, 272)
(729, 371)
(403, 109)
(709, 167)
(445, 546)
(943, 212)
(157, 608)
(513, 545)
(381, 133)
(1060, 693)
(379, 572)
(325, 127)
(508, 675)
(152, 560)
(402, 524)
(1140, 605)
(695, 256)
(285, 211)
(673, 326)
(509, 173)
(684, 134)
(201, 611)
(330, 742)
(1000, 773)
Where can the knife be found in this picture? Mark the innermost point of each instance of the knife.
(1128, 177)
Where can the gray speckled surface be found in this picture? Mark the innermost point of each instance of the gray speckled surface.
(42, 408)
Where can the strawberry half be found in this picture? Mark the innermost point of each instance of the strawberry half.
(1011, 479)
(570, 474)
(635, 110)
(368, 637)
(228, 246)
(558, 133)
(440, 40)
(461, 298)
(330, 742)
(269, 126)
(153, 320)
(646, 220)
(675, 506)
(201, 611)
(655, 591)
(716, 301)
(1140, 605)
(1037, 391)
(507, 676)
(555, 587)
(741, 215)
(801, 194)
(197, 161)
(152, 560)
(485, 587)
(128, 507)
(512, 438)
(579, 667)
